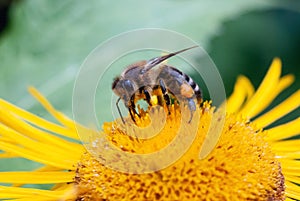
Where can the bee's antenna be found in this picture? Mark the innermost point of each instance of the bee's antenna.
(117, 104)
(157, 60)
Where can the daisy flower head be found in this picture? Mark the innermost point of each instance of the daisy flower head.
(227, 151)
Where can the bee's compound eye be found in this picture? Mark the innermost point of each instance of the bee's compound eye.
(115, 82)
(127, 84)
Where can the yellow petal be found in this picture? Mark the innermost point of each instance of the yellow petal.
(38, 147)
(13, 122)
(292, 190)
(42, 123)
(7, 155)
(34, 194)
(36, 177)
(283, 131)
(279, 111)
(59, 116)
(243, 89)
(283, 83)
(264, 92)
(31, 155)
(286, 146)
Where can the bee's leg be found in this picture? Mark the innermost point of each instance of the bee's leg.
(132, 110)
(132, 113)
(165, 93)
(160, 100)
(147, 93)
(192, 108)
(117, 104)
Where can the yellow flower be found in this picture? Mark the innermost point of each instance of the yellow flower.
(249, 162)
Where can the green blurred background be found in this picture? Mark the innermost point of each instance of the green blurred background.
(44, 42)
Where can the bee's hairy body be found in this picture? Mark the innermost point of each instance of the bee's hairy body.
(140, 79)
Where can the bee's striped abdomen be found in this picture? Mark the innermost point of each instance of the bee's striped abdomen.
(189, 81)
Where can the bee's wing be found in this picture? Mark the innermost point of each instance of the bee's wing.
(133, 69)
(157, 60)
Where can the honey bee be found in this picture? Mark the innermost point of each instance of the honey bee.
(141, 79)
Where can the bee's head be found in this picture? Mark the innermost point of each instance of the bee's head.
(123, 88)
(117, 86)
(115, 82)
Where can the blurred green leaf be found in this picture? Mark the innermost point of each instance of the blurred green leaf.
(48, 40)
